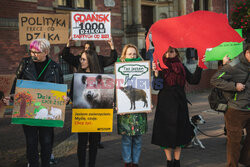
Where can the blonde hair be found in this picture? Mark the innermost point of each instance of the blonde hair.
(124, 50)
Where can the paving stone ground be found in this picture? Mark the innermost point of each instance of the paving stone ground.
(214, 155)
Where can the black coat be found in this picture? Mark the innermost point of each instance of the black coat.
(27, 71)
(171, 124)
(104, 61)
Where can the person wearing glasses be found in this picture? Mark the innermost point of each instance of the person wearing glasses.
(38, 67)
(172, 128)
(88, 63)
(103, 61)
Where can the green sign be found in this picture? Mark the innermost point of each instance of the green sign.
(232, 49)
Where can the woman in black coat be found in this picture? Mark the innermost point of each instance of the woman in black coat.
(88, 63)
(172, 128)
(104, 61)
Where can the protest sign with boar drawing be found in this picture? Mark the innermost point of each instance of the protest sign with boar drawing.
(133, 87)
(39, 103)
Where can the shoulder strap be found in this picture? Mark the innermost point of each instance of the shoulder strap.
(246, 78)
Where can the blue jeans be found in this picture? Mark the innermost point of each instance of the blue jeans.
(131, 148)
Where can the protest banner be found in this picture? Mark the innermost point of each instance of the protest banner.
(93, 96)
(53, 27)
(91, 25)
(232, 49)
(133, 87)
(39, 103)
(92, 120)
(5, 88)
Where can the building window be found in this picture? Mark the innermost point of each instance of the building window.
(85, 4)
(205, 5)
(196, 5)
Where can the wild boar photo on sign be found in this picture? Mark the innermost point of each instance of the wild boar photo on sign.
(93, 90)
(133, 87)
(93, 98)
(91, 25)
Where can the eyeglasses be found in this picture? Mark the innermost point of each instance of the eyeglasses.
(35, 53)
(82, 59)
(171, 51)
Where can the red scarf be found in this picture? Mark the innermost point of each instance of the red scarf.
(175, 75)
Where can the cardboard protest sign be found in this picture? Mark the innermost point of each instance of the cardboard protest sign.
(199, 30)
(53, 27)
(39, 103)
(91, 25)
(133, 87)
(93, 97)
(232, 49)
(5, 88)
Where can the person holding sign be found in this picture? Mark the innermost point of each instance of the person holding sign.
(172, 128)
(131, 126)
(104, 61)
(38, 67)
(88, 64)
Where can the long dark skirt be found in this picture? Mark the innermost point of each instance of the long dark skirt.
(171, 124)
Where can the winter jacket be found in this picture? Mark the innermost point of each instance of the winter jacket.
(27, 71)
(171, 126)
(226, 78)
(104, 61)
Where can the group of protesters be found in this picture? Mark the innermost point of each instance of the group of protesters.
(171, 129)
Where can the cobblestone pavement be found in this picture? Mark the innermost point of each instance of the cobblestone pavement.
(214, 155)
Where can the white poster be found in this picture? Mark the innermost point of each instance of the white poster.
(133, 87)
(91, 25)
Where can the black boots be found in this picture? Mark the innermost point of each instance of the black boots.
(128, 164)
(170, 163)
(175, 163)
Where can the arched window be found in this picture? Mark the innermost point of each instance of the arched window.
(163, 16)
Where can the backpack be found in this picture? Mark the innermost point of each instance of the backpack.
(217, 100)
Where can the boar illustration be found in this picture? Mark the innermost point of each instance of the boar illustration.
(135, 95)
(98, 91)
(56, 113)
(42, 114)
